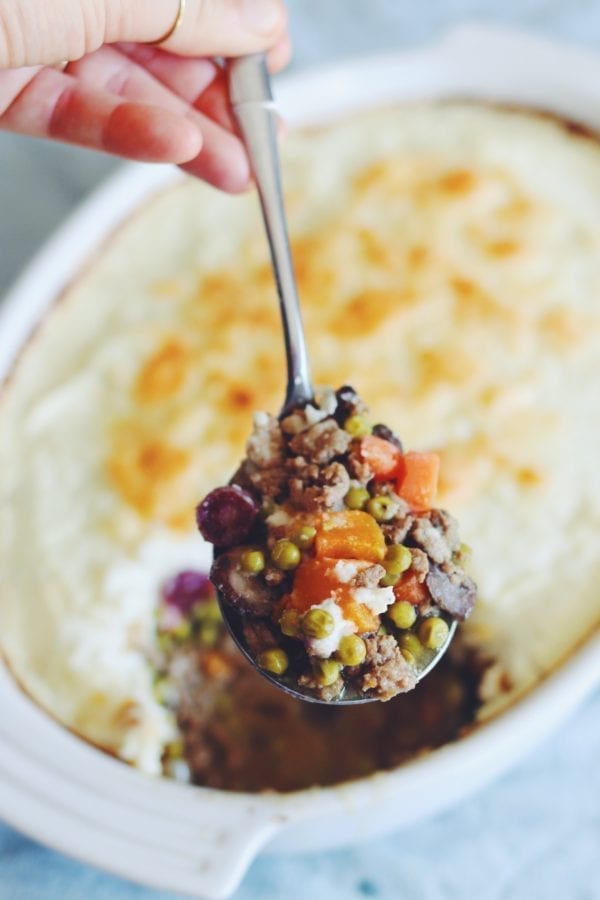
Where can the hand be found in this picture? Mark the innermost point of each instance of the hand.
(124, 97)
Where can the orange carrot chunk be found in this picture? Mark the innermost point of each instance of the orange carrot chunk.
(418, 480)
(365, 619)
(382, 457)
(410, 589)
(314, 581)
(351, 534)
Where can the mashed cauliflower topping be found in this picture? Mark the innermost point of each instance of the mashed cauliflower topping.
(445, 272)
(324, 647)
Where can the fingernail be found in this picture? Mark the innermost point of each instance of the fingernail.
(261, 16)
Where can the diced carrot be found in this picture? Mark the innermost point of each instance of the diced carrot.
(364, 619)
(409, 588)
(382, 457)
(352, 534)
(418, 480)
(216, 665)
(314, 581)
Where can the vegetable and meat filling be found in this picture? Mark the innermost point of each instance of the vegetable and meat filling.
(329, 546)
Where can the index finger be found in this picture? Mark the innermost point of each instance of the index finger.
(55, 105)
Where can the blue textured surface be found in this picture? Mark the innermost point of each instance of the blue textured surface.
(534, 834)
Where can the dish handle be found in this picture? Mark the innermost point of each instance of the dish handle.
(226, 852)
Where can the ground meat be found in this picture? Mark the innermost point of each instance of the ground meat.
(448, 526)
(302, 419)
(419, 563)
(323, 693)
(313, 489)
(386, 671)
(369, 577)
(294, 423)
(243, 734)
(269, 482)
(265, 447)
(395, 531)
(452, 589)
(259, 635)
(398, 527)
(321, 442)
(360, 470)
(431, 539)
(326, 400)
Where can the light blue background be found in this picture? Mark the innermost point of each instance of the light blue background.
(535, 834)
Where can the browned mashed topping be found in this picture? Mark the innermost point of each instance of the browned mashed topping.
(428, 240)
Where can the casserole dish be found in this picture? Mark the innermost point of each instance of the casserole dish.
(200, 841)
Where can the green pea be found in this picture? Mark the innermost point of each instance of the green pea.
(305, 537)
(327, 672)
(409, 657)
(433, 632)
(356, 498)
(209, 634)
(183, 630)
(253, 561)
(464, 554)
(357, 426)
(403, 614)
(162, 689)
(165, 643)
(207, 611)
(317, 623)
(411, 643)
(175, 750)
(290, 623)
(389, 579)
(399, 557)
(274, 660)
(285, 555)
(352, 650)
(381, 508)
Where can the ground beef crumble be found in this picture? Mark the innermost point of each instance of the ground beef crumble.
(419, 563)
(313, 488)
(431, 540)
(265, 447)
(386, 670)
(321, 442)
(369, 577)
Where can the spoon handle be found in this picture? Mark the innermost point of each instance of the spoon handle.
(254, 110)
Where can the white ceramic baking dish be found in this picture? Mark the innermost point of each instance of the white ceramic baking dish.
(65, 793)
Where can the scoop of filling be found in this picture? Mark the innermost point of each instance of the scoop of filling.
(328, 545)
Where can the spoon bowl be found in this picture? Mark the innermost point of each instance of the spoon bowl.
(253, 107)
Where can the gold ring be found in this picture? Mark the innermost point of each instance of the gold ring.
(173, 28)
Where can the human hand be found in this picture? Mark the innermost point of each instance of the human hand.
(122, 96)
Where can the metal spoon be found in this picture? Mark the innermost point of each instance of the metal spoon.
(253, 106)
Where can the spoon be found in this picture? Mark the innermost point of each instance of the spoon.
(252, 101)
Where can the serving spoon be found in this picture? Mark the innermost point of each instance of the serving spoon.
(254, 110)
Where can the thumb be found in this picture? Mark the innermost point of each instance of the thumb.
(38, 32)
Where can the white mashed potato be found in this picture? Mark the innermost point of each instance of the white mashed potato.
(449, 267)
